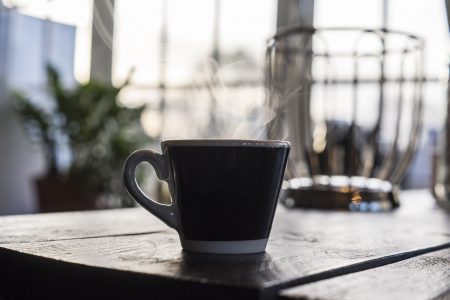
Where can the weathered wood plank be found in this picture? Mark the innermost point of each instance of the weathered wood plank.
(72, 225)
(159, 254)
(32, 277)
(303, 243)
(423, 277)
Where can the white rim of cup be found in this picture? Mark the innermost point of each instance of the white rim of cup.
(227, 142)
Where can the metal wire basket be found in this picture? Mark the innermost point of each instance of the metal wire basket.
(349, 101)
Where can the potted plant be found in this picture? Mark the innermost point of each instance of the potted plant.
(97, 133)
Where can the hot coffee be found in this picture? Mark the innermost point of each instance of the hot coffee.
(224, 192)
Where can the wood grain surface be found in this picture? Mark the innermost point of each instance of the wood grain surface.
(423, 277)
(305, 246)
(74, 225)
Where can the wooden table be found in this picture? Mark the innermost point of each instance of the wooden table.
(127, 253)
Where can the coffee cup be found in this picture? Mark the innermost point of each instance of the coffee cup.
(224, 192)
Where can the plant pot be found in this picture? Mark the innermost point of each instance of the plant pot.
(57, 194)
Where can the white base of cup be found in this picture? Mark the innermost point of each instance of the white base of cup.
(225, 247)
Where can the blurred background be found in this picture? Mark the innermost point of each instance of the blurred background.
(84, 83)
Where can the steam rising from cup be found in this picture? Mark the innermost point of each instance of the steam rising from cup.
(217, 104)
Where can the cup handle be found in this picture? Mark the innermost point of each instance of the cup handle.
(163, 211)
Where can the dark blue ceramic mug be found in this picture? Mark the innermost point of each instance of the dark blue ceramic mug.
(224, 192)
